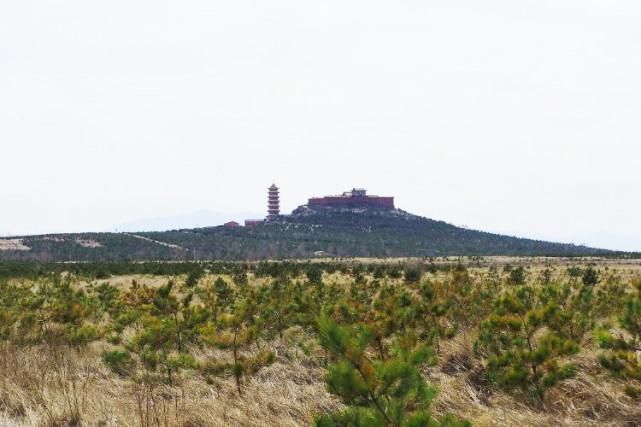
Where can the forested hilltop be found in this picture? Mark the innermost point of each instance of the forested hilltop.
(304, 234)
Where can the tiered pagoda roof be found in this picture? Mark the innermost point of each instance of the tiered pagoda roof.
(273, 201)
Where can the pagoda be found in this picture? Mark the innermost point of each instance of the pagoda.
(273, 202)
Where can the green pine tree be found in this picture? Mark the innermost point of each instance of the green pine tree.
(390, 392)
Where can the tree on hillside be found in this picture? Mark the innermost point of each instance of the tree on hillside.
(622, 358)
(590, 277)
(523, 352)
(377, 392)
(237, 330)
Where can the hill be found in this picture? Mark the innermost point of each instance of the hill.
(303, 234)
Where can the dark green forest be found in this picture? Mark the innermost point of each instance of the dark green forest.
(324, 233)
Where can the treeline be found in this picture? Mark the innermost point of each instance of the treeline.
(103, 270)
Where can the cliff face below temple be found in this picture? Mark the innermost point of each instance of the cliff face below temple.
(307, 232)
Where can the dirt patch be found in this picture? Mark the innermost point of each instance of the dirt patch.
(457, 364)
(480, 385)
(158, 242)
(13, 245)
(88, 243)
(53, 239)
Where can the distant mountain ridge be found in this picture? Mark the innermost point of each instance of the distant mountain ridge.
(307, 232)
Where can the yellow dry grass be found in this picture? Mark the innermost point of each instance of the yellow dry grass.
(44, 388)
(58, 387)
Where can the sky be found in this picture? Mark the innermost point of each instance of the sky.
(520, 118)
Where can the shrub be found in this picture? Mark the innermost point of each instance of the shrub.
(194, 277)
(119, 362)
(590, 277)
(377, 392)
(518, 276)
(413, 274)
(523, 350)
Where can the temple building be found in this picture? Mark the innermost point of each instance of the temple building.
(356, 198)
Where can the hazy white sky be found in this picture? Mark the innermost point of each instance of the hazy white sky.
(519, 117)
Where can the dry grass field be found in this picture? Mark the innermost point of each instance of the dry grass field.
(44, 382)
